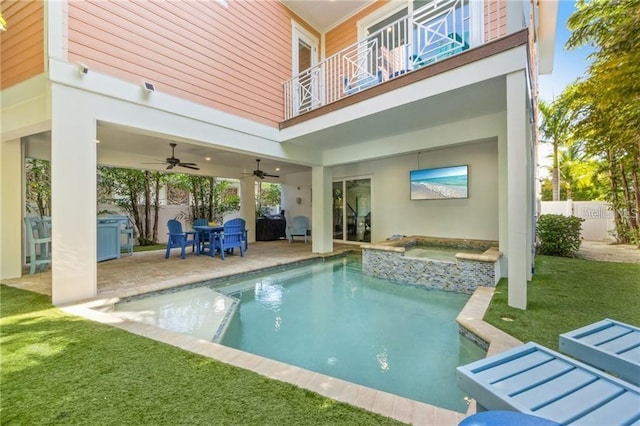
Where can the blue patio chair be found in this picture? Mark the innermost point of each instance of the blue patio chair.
(39, 241)
(232, 236)
(178, 238)
(298, 228)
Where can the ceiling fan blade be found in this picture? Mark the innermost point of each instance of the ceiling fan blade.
(170, 166)
(268, 175)
(189, 166)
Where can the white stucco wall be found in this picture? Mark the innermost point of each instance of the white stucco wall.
(394, 213)
(296, 186)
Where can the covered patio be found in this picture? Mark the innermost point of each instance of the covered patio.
(149, 271)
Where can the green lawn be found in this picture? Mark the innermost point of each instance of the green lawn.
(151, 247)
(566, 294)
(60, 369)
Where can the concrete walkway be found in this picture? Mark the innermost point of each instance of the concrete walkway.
(606, 252)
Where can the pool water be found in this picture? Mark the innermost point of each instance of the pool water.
(332, 319)
(439, 254)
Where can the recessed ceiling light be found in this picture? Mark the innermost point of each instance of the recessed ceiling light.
(97, 141)
(207, 158)
(277, 169)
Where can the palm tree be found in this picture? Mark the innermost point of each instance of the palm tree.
(554, 128)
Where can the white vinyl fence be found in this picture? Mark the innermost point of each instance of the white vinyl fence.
(598, 222)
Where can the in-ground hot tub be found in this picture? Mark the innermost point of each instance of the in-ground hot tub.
(438, 263)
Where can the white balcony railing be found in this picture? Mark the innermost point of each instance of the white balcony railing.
(438, 30)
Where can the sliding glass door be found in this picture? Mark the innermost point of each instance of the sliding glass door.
(352, 210)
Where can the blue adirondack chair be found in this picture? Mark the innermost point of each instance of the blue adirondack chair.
(179, 238)
(39, 240)
(233, 235)
(240, 222)
(298, 228)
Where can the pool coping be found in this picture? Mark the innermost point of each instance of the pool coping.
(384, 403)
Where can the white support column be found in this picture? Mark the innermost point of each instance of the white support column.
(503, 210)
(517, 191)
(248, 205)
(73, 196)
(11, 209)
(322, 201)
(531, 198)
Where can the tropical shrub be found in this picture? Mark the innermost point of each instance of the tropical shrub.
(559, 235)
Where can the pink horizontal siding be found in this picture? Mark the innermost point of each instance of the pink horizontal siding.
(22, 45)
(233, 59)
(495, 19)
(346, 33)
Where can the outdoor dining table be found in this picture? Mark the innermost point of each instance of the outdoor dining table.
(203, 234)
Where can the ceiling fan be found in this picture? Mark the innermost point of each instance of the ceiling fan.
(260, 173)
(172, 161)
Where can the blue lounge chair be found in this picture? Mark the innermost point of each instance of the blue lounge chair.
(178, 238)
(361, 83)
(609, 345)
(233, 235)
(537, 381)
(449, 46)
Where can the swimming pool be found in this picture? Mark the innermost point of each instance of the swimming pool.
(329, 318)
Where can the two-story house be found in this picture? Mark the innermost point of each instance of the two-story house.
(344, 97)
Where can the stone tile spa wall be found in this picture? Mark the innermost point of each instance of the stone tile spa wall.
(387, 260)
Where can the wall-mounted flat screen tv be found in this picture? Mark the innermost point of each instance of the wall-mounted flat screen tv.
(440, 183)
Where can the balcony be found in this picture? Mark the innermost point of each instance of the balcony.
(437, 31)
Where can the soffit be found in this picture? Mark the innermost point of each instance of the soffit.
(475, 100)
(121, 146)
(325, 14)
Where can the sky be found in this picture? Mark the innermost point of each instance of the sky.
(568, 65)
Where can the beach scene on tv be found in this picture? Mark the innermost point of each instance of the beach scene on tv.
(440, 183)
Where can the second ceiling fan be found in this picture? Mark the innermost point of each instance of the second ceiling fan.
(260, 173)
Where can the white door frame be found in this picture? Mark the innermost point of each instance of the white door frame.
(300, 34)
